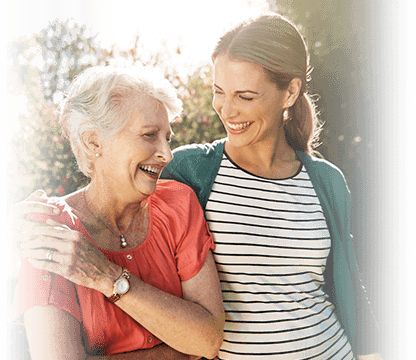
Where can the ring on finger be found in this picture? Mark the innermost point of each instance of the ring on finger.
(49, 254)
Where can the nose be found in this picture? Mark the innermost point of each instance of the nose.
(163, 152)
(227, 109)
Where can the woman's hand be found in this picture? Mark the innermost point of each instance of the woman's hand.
(69, 253)
(20, 226)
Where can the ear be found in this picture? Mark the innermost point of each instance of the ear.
(91, 143)
(293, 91)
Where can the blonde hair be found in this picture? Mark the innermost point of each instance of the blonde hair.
(274, 43)
(98, 100)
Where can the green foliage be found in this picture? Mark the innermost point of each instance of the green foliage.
(42, 158)
(199, 122)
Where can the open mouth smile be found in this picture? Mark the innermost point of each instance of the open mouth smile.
(151, 170)
(238, 127)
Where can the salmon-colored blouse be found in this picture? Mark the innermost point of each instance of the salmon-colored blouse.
(174, 251)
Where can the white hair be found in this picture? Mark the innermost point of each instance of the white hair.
(98, 100)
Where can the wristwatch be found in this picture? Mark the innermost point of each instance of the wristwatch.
(121, 286)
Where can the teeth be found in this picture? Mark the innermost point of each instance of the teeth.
(150, 169)
(238, 126)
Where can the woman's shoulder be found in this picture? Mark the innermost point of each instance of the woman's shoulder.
(321, 166)
(195, 165)
(171, 191)
(65, 216)
(173, 196)
(199, 150)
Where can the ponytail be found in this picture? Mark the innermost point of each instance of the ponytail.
(302, 128)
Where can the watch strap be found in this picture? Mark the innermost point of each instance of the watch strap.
(116, 296)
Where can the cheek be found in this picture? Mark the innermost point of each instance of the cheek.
(216, 104)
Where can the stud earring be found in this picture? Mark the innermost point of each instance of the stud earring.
(97, 155)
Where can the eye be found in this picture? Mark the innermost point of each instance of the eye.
(150, 134)
(217, 92)
(246, 98)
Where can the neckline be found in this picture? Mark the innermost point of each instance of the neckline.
(81, 227)
(261, 177)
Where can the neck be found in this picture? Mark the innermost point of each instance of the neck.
(110, 209)
(265, 158)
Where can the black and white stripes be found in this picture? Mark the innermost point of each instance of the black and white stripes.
(272, 243)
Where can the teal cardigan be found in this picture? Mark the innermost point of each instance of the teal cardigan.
(198, 165)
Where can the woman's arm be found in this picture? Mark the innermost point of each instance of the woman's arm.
(54, 334)
(192, 324)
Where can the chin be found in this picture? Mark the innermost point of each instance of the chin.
(239, 140)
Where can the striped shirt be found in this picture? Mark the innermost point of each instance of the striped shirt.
(272, 243)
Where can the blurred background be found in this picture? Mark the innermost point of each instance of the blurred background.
(359, 82)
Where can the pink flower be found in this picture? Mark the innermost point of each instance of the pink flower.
(61, 190)
(205, 120)
(65, 180)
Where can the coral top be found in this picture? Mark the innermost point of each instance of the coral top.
(174, 251)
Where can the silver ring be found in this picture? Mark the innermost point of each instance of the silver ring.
(49, 255)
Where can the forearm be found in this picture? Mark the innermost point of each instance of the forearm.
(160, 352)
(181, 324)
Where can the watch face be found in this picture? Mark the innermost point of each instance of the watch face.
(122, 286)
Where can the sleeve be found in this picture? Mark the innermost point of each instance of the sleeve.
(195, 240)
(41, 288)
(367, 337)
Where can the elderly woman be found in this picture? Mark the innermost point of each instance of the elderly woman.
(280, 218)
(131, 265)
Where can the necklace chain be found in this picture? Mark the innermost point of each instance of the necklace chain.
(122, 238)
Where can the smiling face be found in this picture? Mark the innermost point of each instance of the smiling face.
(249, 105)
(132, 161)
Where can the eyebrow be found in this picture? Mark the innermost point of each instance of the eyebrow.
(152, 127)
(240, 91)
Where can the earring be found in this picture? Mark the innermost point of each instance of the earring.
(97, 155)
(286, 115)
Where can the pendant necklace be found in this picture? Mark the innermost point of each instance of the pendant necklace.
(122, 238)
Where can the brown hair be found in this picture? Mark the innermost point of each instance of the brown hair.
(276, 45)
